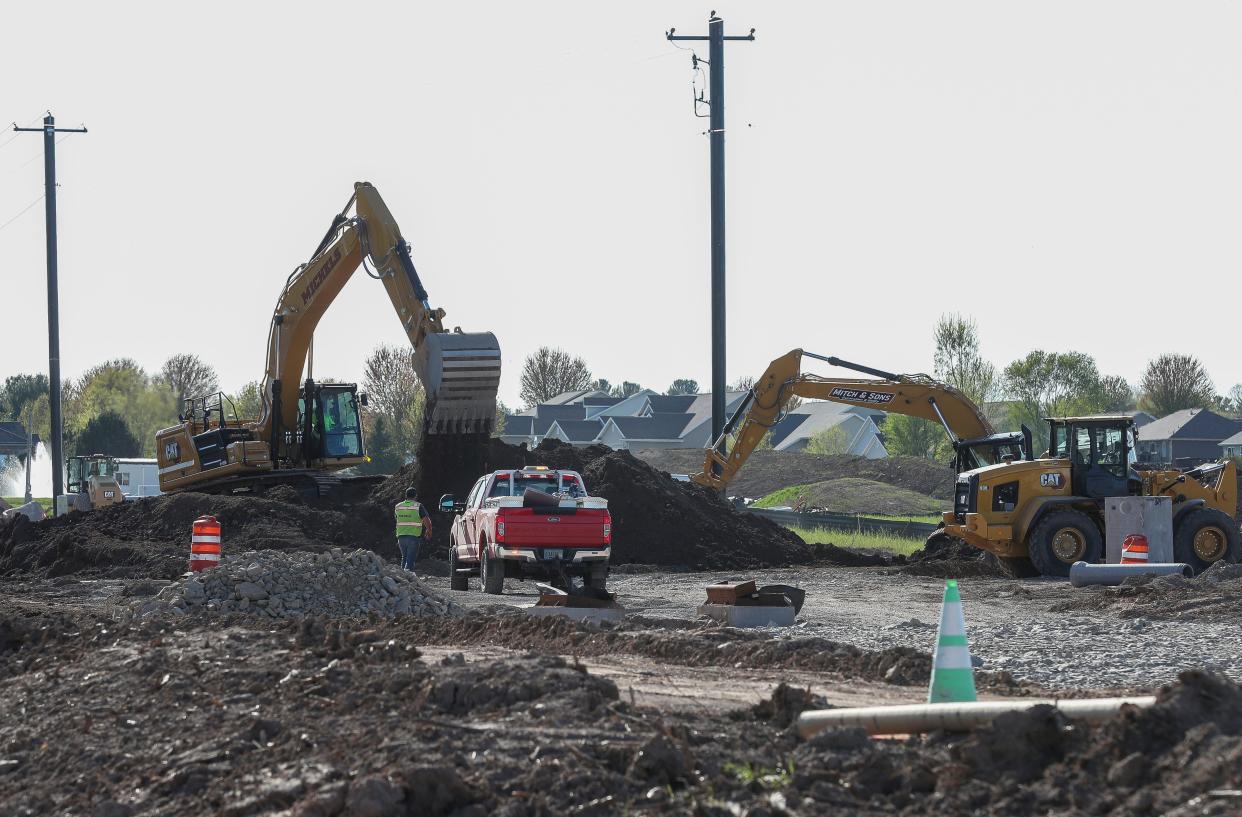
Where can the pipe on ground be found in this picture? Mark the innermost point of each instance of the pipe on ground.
(1082, 574)
(909, 719)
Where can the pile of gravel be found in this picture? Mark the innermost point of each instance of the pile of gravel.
(291, 584)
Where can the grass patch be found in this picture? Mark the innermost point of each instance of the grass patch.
(852, 495)
(854, 539)
(46, 502)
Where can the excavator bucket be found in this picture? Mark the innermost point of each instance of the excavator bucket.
(462, 378)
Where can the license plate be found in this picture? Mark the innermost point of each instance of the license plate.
(552, 554)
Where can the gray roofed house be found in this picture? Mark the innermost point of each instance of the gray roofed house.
(1232, 447)
(654, 431)
(671, 404)
(575, 432)
(1187, 437)
(796, 429)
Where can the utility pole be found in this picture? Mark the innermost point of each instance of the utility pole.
(715, 60)
(50, 130)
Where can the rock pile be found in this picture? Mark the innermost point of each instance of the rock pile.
(290, 584)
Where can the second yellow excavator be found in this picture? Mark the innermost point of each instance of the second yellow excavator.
(975, 441)
(307, 430)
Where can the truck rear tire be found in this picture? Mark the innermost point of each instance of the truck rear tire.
(456, 581)
(1205, 536)
(491, 573)
(1063, 537)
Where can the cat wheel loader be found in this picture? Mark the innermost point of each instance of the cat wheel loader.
(1042, 515)
(308, 430)
(92, 483)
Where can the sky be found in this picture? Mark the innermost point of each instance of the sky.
(1066, 173)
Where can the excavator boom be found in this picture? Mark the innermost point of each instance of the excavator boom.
(311, 428)
(913, 395)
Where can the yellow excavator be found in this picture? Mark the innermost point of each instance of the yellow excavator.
(308, 430)
(975, 441)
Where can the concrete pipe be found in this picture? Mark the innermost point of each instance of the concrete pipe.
(1082, 574)
(908, 719)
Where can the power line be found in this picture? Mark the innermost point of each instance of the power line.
(14, 137)
(22, 211)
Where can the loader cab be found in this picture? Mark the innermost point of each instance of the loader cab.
(1100, 452)
(81, 468)
(333, 428)
(992, 450)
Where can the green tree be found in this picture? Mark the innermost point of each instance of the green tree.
(601, 384)
(19, 391)
(831, 442)
(247, 402)
(958, 361)
(549, 372)
(107, 433)
(502, 411)
(683, 385)
(395, 394)
(1058, 384)
(1174, 382)
(906, 436)
(123, 388)
(383, 452)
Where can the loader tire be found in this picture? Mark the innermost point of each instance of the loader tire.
(1205, 536)
(491, 573)
(1018, 567)
(1061, 538)
(456, 581)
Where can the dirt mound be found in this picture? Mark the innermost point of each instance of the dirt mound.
(948, 558)
(862, 496)
(151, 537)
(769, 471)
(656, 520)
(1213, 595)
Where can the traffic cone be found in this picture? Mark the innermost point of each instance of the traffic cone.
(952, 676)
(1135, 550)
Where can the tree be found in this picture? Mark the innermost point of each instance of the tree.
(906, 436)
(626, 389)
(19, 391)
(108, 433)
(1174, 382)
(502, 411)
(1231, 403)
(1058, 384)
(122, 387)
(683, 385)
(958, 361)
(549, 372)
(188, 376)
(743, 383)
(247, 401)
(395, 394)
(383, 452)
(830, 442)
(601, 384)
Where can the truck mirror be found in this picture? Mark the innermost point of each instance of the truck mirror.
(448, 504)
(362, 398)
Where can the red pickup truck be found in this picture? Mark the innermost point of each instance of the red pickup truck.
(533, 523)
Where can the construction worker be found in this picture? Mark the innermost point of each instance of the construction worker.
(413, 525)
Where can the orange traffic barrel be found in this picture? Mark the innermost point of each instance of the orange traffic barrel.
(205, 543)
(1134, 550)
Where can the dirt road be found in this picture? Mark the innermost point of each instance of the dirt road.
(1012, 625)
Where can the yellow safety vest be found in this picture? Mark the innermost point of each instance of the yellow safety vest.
(409, 518)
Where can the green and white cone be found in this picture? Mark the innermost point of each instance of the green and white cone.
(952, 676)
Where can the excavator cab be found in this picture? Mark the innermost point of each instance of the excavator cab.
(332, 431)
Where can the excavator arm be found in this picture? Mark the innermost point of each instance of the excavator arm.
(765, 404)
(460, 371)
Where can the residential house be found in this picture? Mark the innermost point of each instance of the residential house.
(1232, 447)
(13, 441)
(1185, 438)
(860, 424)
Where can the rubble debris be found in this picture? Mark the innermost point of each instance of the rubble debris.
(944, 557)
(293, 585)
(1213, 595)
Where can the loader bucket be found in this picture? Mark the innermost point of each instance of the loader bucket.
(462, 378)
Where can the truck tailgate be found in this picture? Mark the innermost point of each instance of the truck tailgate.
(577, 527)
